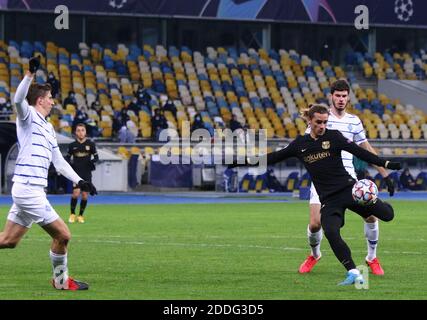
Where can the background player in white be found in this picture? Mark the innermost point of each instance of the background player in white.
(38, 147)
(352, 128)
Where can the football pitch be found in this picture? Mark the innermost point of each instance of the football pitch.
(215, 251)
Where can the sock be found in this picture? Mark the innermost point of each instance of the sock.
(371, 233)
(60, 269)
(83, 204)
(314, 239)
(73, 205)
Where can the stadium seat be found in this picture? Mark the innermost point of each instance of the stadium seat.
(380, 182)
(261, 184)
(421, 180)
(247, 183)
(261, 87)
(292, 182)
(123, 152)
(305, 180)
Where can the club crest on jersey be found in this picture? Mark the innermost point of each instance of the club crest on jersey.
(87, 148)
(326, 145)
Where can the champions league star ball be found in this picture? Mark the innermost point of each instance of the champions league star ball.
(365, 192)
(404, 9)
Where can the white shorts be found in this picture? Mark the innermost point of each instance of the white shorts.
(30, 205)
(314, 197)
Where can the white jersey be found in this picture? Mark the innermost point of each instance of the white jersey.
(352, 128)
(37, 144)
(36, 141)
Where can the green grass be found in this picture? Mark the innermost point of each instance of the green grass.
(214, 251)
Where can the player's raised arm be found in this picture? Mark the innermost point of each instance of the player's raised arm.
(22, 90)
(278, 156)
(272, 157)
(365, 155)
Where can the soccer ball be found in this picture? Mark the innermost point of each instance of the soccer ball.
(404, 9)
(365, 192)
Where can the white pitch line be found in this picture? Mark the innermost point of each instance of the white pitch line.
(246, 237)
(210, 245)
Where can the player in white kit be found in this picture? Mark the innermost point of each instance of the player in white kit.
(38, 147)
(352, 128)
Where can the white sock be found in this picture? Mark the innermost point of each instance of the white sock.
(371, 233)
(314, 239)
(60, 269)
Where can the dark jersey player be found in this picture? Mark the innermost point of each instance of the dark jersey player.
(320, 151)
(82, 155)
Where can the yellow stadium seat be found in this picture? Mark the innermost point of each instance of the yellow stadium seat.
(148, 150)
(107, 132)
(245, 185)
(135, 150)
(123, 152)
(146, 132)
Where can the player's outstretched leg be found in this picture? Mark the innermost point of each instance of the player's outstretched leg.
(11, 234)
(60, 234)
(314, 235)
(383, 210)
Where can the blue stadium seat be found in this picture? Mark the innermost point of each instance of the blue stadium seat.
(261, 184)
(379, 181)
(421, 180)
(292, 182)
(305, 180)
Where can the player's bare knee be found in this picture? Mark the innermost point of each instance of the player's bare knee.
(8, 243)
(63, 238)
(371, 219)
(12, 244)
(314, 226)
(66, 237)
